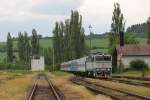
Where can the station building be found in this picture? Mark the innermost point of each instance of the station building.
(128, 53)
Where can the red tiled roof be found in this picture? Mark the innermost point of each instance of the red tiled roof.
(134, 49)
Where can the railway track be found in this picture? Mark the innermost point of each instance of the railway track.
(135, 78)
(43, 89)
(114, 93)
(130, 81)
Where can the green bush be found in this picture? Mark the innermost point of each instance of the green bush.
(14, 66)
(138, 65)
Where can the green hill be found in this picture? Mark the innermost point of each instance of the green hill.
(45, 43)
(99, 44)
(96, 42)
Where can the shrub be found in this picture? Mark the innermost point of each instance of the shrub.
(138, 65)
(14, 66)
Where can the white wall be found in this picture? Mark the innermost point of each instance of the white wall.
(127, 59)
(38, 64)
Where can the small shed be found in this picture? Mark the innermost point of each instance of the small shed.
(127, 53)
(37, 63)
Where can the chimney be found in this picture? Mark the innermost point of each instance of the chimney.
(121, 38)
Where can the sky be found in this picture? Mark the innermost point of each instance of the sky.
(24, 15)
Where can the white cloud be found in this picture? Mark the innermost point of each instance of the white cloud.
(99, 12)
(23, 15)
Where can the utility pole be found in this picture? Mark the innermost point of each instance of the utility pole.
(53, 59)
(90, 28)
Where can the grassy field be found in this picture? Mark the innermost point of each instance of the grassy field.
(133, 73)
(45, 43)
(100, 43)
(60, 73)
(2, 56)
(96, 42)
(15, 85)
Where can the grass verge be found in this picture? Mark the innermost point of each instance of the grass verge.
(60, 73)
(133, 73)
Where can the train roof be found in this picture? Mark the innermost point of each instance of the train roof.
(75, 60)
(84, 58)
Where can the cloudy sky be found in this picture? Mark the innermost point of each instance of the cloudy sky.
(24, 15)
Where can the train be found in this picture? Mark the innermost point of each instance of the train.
(94, 65)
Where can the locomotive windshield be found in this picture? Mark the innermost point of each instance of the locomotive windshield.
(103, 58)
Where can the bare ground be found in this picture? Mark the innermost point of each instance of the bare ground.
(16, 89)
(122, 86)
(73, 91)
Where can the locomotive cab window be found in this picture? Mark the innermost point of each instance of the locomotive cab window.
(99, 58)
(107, 58)
(90, 59)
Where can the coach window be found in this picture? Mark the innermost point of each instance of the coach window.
(99, 58)
(92, 59)
(89, 59)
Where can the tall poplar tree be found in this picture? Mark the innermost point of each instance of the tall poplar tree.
(76, 31)
(117, 26)
(27, 48)
(9, 48)
(24, 48)
(148, 31)
(69, 39)
(35, 43)
(21, 46)
(61, 41)
(56, 43)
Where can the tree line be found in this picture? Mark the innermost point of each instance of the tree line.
(139, 29)
(26, 46)
(117, 27)
(69, 39)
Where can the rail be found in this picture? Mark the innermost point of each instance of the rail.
(51, 87)
(105, 90)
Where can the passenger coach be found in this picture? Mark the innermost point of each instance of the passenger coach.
(94, 65)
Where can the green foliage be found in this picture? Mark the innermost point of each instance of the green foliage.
(117, 26)
(48, 56)
(35, 43)
(148, 31)
(21, 46)
(69, 39)
(133, 73)
(118, 23)
(60, 73)
(138, 65)
(24, 48)
(27, 48)
(130, 39)
(14, 66)
(138, 29)
(56, 44)
(98, 42)
(114, 61)
(77, 40)
(9, 48)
